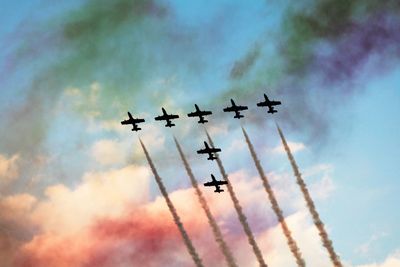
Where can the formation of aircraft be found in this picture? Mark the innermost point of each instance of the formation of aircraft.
(270, 104)
(132, 122)
(202, 113)
(199, 113)
(210, 151)
(216, 183)
(167, 117)
(236, 109)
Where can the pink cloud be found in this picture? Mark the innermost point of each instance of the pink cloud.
(79, 227)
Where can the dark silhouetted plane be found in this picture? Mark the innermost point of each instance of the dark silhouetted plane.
(210, 151)
(166, 117)
(132, 121)
(270, 104)
(216, 183)
(200, 113)
(236, 109)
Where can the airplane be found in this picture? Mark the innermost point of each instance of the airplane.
(210, 151)
(132, 121)
(167, 117)
(270, 104)
(236, 109)
(199, 113)
(216, 183)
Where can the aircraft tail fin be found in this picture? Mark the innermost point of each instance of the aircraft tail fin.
(238, 116)
(130, 115)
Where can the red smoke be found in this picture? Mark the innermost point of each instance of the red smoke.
(140, 239)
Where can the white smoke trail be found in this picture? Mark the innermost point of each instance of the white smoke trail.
(239, 211)
(177, 220)
(326, 242)
(203, 202)
(274, 203)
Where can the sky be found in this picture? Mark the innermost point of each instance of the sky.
(75, 186)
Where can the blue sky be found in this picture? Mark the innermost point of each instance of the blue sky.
(65, 127)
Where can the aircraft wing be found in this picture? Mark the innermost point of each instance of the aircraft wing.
(129, 121)
(193, 114)
(212, 183)
(208, 150)
(202, 151)
(221, 182)
(229, 109)
(160, 118)
(262, 104)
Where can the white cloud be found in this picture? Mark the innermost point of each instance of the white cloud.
(99, 194)
(318, 169)
(392, 260)
(66, 212)
(307, 239)
(216, 130)
(323, 188)
(108, 152)
(236, 145)
(152, 136)
(294, 147)
(109, 125)
(15, 207)
(365, 248)
(254, 200)
(122, 148)
(8, 168)
(84, 100)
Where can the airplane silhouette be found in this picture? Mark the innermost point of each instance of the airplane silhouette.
(200, 113)
(210, 151)
(216, 183)
(270, 104)
(236, 109)
(166, 117)
(132, 121)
